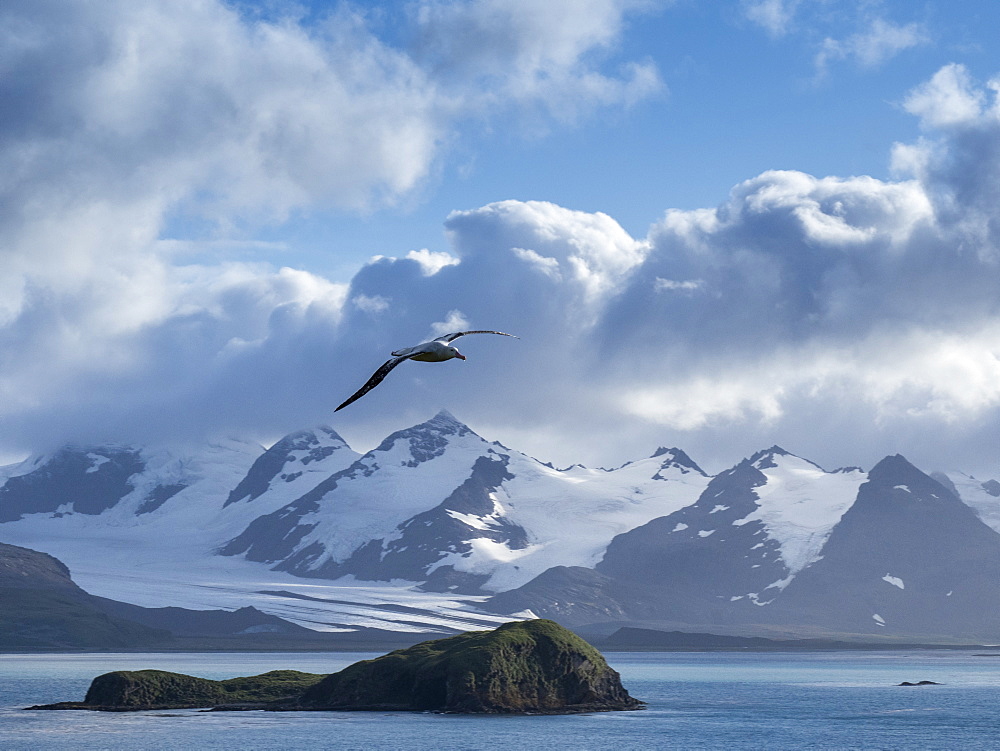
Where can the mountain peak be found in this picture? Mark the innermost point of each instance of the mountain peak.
(444, 418)
(892, 467)
(287, 459)
(443, 423)
(330, 433)
(895, 477)
(764, 458)
(308, 438)
(427, 439)
(674, 457)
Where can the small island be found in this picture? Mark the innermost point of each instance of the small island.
(523, 667)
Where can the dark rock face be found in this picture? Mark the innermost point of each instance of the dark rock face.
(160, 495)
(992, 487)
(21, 568)
(568, 594)
(42, 608)
(675, 458)
(528, 666)
(88, 481)
(702, 554)
(907, 558)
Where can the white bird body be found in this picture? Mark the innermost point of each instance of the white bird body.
(433, 351)
(436, 350)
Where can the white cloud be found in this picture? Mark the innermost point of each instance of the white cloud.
(453, 322)
(431, 261)
(700, 402)
(118, 113)
(373, 304)
(122, 119)
(547, 266)
(948, 99)
(959, 158)
(660, 285)
(774, 15)
(845, 318)
(592, 251)
(898, 376)
(879, 42)
(842, 317)
(528, 51)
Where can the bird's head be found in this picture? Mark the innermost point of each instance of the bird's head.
(456, 353)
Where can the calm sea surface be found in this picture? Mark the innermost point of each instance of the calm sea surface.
(829, 700)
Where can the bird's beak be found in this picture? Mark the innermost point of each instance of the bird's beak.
(460, 357)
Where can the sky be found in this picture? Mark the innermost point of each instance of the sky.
(717, 226)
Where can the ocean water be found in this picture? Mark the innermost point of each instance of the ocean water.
(730, 701)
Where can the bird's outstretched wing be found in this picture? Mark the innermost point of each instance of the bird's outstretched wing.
(452, 337)
(374, 381)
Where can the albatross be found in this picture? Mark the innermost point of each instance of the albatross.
(436, 350)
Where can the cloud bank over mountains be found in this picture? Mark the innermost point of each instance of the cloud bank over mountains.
(844, 317)
(850, 315)
(122, 119)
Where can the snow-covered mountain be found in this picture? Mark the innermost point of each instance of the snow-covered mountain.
(439, 528)
(740, 543)
(777, 543)
(753, 529)
(438, 504)
(233, 525)
(908, 556)
(85, 481)
(163, 496)
(983, 497)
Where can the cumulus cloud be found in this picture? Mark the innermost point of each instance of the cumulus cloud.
(431, 262)
(123, 120)
(223, 345)
(959, 158)
(843, 317)
(452, 323)
(948, 99)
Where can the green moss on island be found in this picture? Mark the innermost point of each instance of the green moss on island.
(525, 666)
(522, 667)
(128, 690)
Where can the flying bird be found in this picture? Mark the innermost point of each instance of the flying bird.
(436, 350)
